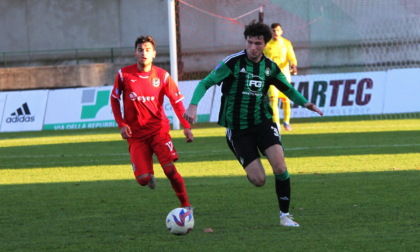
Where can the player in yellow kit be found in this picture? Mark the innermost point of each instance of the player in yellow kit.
(280, 50)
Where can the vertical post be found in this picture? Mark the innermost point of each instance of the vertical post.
(261, 14)
(112, 55)
(77, 56)
(173, 53)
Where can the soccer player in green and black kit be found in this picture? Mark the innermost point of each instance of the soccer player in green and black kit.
(245, 112)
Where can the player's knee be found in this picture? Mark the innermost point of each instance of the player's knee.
(143, 180)
(279, 169)
(257, 181)
(169, 170)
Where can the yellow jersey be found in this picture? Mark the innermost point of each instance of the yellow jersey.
(281, 51)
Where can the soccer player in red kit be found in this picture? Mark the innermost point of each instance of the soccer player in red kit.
(143, 123)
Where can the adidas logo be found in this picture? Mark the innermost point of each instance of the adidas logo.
(22, 114)
(243, 70)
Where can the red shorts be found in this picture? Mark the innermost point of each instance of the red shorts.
(141, 152)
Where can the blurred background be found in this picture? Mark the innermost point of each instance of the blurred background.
(82, 43)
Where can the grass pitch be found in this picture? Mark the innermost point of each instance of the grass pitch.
(354, 188)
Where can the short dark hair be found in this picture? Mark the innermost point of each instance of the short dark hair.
(274, 25)
(144, 39)
(256, 29)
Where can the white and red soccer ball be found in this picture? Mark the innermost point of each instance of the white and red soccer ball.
(180, 221)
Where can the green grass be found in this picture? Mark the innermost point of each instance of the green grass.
(354, 188)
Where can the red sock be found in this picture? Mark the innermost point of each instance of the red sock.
(177, 182)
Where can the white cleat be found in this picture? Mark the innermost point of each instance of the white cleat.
(287, 221)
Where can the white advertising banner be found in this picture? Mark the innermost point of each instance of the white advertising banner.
(341, 94)
(2, 104)
(24, 110)
(402, 91)
(79, 108)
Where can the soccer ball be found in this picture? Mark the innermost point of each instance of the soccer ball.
(180, 221)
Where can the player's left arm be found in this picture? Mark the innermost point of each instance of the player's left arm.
(291, 57)
(314, 108)
(280, 82)
(284, 86)
(175, 97)
(179, 111)
(298, 98)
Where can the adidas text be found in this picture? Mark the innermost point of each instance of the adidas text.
(20, 119)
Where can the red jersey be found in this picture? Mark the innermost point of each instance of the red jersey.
(143, 96)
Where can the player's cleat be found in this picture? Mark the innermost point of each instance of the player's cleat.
(190, 208)
(287, 221)
(152, 182)
(287, 126)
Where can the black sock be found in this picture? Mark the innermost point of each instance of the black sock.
(283, 194)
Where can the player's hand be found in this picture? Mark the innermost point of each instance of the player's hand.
(191, 113)
(188, 135)
(314, 108)
(125, 131)
(293, 69)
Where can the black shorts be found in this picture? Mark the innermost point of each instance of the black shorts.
(247, 144)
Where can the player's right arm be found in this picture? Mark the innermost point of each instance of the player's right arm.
(116, 107)
(216, 76)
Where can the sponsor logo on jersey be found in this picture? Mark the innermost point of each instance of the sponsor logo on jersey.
(134, 97)
(255, 84)
(21, 115)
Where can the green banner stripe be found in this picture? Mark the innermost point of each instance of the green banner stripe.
(100, 124)
(200, 118)
(80, 125)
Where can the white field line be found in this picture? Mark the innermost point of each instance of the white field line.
(213, 151)
(378, 126)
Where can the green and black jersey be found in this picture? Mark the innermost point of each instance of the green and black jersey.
(244, 90)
